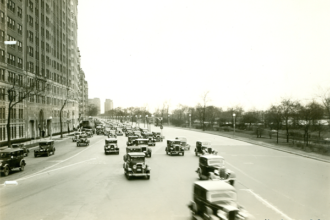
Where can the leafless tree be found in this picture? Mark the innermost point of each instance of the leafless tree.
(274, 118)
(324, 96)
(289, 110)
(22, 87)
(201, 108)
(68, 97)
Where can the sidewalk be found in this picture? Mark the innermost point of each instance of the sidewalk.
(279, 147)
(33, 143)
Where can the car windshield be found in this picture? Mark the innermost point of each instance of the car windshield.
(111, 142)
(215, 196)
(176, 142)
(43, 144)
(215, 162)
(4, 155)
(142, 142)
(137, 159)
(134, 150)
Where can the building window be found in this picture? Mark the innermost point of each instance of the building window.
(2, 17)
(19, 29)
(2, 94)
(19, 63)
(2, 36)
(10, 38)
(21, 131)
(11, 5)
(2, 133)
(11, 23)
(31, 6)
(19, 12)
(19, 45)
(2, 55)
(11, 59)
(2, 74)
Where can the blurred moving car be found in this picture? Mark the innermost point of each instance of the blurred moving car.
(11, 158)
(174, 147)
(203, 148)
(184, 143)
(216, 200)
(212, 167)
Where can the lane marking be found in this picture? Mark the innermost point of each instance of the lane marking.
(61, 161)
(48, 171)
(268, 204)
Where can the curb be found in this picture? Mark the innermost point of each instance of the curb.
(263, 145)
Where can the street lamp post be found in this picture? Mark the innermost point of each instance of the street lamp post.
(234, 122)
(189, 121)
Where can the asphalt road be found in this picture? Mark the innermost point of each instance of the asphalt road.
(84, 183)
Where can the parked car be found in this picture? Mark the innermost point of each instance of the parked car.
(135, 166)
(112, 134)
(183, 141)
(212, 167)
(45, 148)
(11, 158)
(82, 141)
(21, 146)
(216, 200)
(158, 136)
(174, 147)
(111, 146)
(203, 148)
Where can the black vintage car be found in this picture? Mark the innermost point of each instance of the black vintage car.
(45, 148)
(174, 148)
(21, 146)
(204, 148)
(135, 166)
(11, 158)
(144, 144)
(99, 129)
(111, 146)
(216, 200)
(184, 143)
(130, 140)
(150, 137)
(82, 140)
(158, 136)
(212, 167)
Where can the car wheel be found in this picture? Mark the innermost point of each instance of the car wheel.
(182, 154)
(232, 182)
(35, 155)
(48, 153)
(6, 171)
(22, 166)
(148, 177)
(150, 154)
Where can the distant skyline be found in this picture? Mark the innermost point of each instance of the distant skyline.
(247, 53)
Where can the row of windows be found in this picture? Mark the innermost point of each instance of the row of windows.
(11, 23)
(13, 132)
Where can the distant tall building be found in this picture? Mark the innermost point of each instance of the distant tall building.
(97, 103)
(108, 105)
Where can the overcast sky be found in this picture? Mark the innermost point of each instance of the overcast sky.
(248, 53)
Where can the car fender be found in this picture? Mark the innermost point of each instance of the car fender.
(230, 174)
(22, 162)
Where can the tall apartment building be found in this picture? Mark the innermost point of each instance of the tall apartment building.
(46, 48)
(108, 105)
(83, 93)
(97, 103)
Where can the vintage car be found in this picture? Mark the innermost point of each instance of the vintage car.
(132, 149)
(144, 144)
(216, 200)
(21, 146)
(128, 132)
(11, 158)
(150, 137)
(82, 140)
(111, 146)
(204, 148)
(212, 167)
(45, 148)
(119, 133)
(76, 136)
(99, 129)
(158, 136)
(130, 140)
(137, 133)
(174, 147)
(112, 134)
(183, 141)
(135, 166)
(89, 133)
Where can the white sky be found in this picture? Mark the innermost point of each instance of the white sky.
(250, 53)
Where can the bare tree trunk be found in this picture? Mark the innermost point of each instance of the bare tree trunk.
(8, 124)
(61, 130)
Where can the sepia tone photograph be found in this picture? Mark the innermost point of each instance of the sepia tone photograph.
(154, 110)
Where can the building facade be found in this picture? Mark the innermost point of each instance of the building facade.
(45, 32)
(97, 103)
(83, 93)
(108, 105)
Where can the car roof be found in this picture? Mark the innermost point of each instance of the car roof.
(211, 156)
(111, 139)
(48, 141)
(214, 185)
(8, 150)
(137, 154)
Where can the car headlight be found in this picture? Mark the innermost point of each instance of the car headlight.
(171, 148)
(143, 166)
(134, 167)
